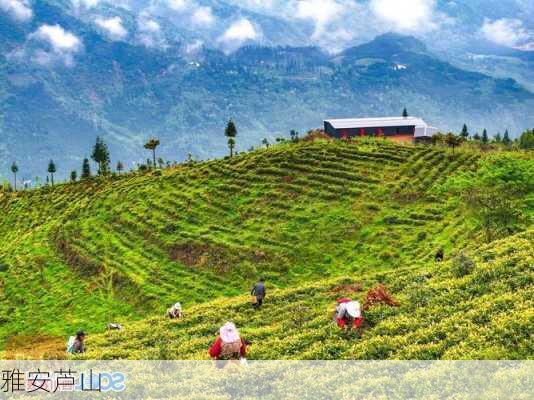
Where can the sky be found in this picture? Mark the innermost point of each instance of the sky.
(330, 24)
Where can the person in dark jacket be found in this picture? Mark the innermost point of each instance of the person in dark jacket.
(259, 291)
(79, 343)
(439, 255)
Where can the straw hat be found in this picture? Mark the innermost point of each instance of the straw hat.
(353, 309)
(229, 333)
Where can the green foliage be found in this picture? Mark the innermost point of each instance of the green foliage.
(465, 132)
(462, 265)
(499, 193)
(86, 169)
(231, 132)
(485, 138)
(481, 313)
(526, 141)
(152, 144)
(100, 155)
(308, 216)
(51, 170)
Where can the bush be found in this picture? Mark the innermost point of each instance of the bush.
(462, 265)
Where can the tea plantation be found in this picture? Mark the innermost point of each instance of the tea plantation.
(318, 220)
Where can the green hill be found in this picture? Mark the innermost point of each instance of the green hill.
(308, 217)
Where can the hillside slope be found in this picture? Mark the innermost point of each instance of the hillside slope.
(445, 312)
(123, 248)
(306, 216)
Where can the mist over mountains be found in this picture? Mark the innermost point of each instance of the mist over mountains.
(178, 70)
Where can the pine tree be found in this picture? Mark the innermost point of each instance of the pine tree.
(51, 170)
(151, 145)
(506, 138)
(405, 113)
(73, 176)
(14, 169)
(100, 155)
(465, 132)
(231, 132)
(476, 136)
(485, 138)
(498, 138)
(265, 142)
(120, 167)
(86, 169)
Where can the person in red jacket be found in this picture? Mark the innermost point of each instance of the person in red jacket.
(228, 345)
(348, 313)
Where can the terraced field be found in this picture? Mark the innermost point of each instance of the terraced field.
(125, 248)
(486, 312)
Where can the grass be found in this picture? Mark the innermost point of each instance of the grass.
(313, 213)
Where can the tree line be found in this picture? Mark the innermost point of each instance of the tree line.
(100, 154)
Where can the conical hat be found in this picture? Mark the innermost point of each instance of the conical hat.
(229, 333)
(353, 309)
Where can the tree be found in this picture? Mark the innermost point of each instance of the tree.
(465, 132)
(405, 113)
(86, 169)
(452, 140)
(120, 167)
(100, 155)
(485, 138)
(231, 146)
(437, 138)
(231, 132)
(526, 140)
(498, 138)
(14, 169)
(476, 137)
(151, 145)
(496, 194)
(73, 176)
(294, 136)
(506, 138)
(265, 142)
(51, 170)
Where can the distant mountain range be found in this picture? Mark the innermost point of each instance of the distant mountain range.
(53, 103)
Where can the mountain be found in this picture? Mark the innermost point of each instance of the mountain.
(54, 104)
(318, 219)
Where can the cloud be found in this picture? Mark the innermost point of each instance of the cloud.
(239, 32)
(149, 31)
(194, 47)
(20, 10)
(177, 4)
(113, 27)
(203, 16)
(85, 3)
(508, 32)
(62, 45)
(406, 15)
(322, 12)
(59, 39)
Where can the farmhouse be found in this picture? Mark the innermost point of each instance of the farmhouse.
(397, 128)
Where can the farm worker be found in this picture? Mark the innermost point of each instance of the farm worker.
(175, 311)
(348, 312)
(259, 292)
(439, 255)
(228, 345)
(76, 344)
